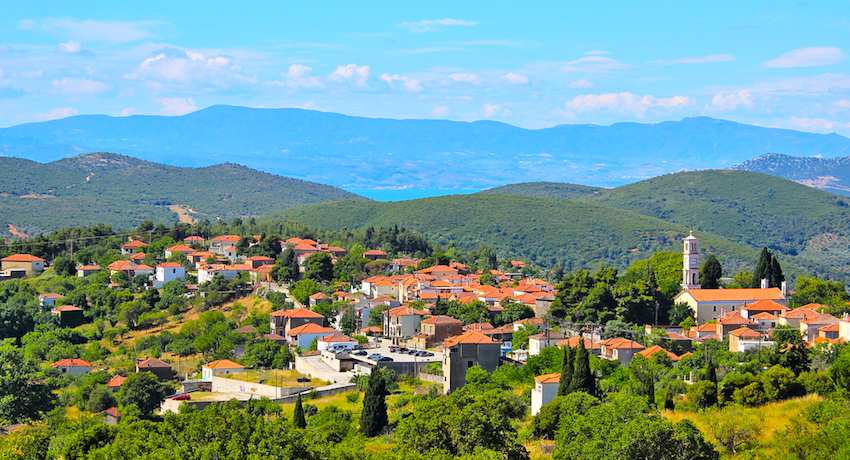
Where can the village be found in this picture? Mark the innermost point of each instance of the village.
(410, 337)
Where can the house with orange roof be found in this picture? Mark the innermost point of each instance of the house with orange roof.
(115, 383)
(439, 271)
(809, 326)
(194, 239)
(619, 349)
(710, 303)
(168, 271)
(731, 321)
(47, 301)
(207, 272)
(199, 258)
(794, 317)
(319, 297)
(765, 321)
(537, 342)
(138, 257)
(647, 353)
(336, 341)
(303, 336)
(225, 246)
(132, 247)
(72, 366)
(829, 332)
(763, 306)
(69, 315)
(544, 391)
(744, 338)
(29, 264)
(161, 369)
(590, 345)
(181, 248)
(261, 274)
(258, 261)
(436, 329)
(130, 268)
(283, 321)
(402, 322)
(86, 270)
(401, 264)
(467, 350)
(220, 367)
(375, 254)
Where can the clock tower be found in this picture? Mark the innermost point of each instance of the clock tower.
(690, 269)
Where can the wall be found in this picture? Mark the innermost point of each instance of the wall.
(224, 385)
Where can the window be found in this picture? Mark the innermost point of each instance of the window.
(714, 308)
(733, 308)
(468, 364)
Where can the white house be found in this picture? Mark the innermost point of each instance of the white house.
(169, 271)
(220, 367)
(338, 341)
(303, 336)
(537, 342)
(73, 366)
(48, 301)
(544, 391)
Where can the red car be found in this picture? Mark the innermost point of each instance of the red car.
(182, 397)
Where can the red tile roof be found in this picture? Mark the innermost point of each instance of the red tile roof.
(620, 343)
(297, 313)
(153, 363)
(22, 258)
(223, 364)
(71, 362)
(441, 319)
(170, 265)
(548, 378)
(63, 308)
(226, 239)
(734, 295)
(180, 248)
(116, 381)
(310, 328)
(764, 305)
(334, 338)
(657, 349)
(470, 337)
(134, 245)
(573, 343)
(745, 333)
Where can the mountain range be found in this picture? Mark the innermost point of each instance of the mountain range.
(366, 153)
(123, 191)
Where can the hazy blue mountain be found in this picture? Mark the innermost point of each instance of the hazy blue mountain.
(830, 174)
(357, 152)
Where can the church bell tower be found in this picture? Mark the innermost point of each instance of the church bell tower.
(690, 269)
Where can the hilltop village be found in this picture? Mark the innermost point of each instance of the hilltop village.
(140, 326)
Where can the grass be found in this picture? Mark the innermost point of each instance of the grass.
(275, 377)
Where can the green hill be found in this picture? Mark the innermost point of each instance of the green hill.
(750, 208)
(123, 191)
(547, 231)
(557, 190)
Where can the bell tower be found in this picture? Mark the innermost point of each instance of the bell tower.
(690, 268)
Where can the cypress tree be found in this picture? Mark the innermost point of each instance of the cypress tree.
(668, 399)
(776, 276)
(763, 268)
(566, 373)
(374, 416)
(582, 376)
(711, 273)
(298, 420)
(711, 372)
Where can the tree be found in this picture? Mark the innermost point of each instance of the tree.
(25, 395)
(643, 373)
(64, 266)
(583, 379)
(319, 267)
(522, 335)
(813, 290)
(143, 390)
(711, 273)
(514, 311)
(100, 399)
(566, 372)
(776, 275)
(733, 428)
(298, 419)
(763, 268)
(286, 268)
(703, 394)
(374, 416)
(302, 290)
(269, 246)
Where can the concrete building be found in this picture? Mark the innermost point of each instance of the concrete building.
(303, 336)
(401, 323)
(743, 339)
(544, 391)
(339, 341)
(69, 315)
(160, 369)
(537, 342)
(169, 271)
(283, 321)
(465, 351)
(619, 349)
(87, 270)
(132, 247)
(48, 301)
(30, 264)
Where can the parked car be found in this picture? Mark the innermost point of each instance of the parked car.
(411, 352)
(384, 359)
(360, 353)
(393, 349)
(303, 379)
(182, 397)
(402, 350)
(374, 356)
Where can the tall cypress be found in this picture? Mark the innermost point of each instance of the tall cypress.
(668, 398)
(763, 268)
(711, 372)
(374, 417)
(298, 420)
(582, 376)
(711, 273)
(566, 372)
(776, 276)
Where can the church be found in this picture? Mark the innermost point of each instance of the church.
(707, 304)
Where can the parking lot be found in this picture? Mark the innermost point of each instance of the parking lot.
(398, 357)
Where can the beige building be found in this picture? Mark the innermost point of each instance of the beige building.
(32, 265)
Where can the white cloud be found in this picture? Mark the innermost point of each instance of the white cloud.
(595, 64)
(808, 57)
(710, 59)
(298, 76)
(440, 111)
(731, 101)
(813, 124)
(625, 103)
(8, 90)
(491, 110)
(80, 87)
(515, 78)
(433, 25)
(190, 70)
(580, 84)
(56, 114)
(408, 84)
(91, 30)
(176, 105)
(842, 105)
(70, 47)
(127, 112)
(30, 73)
(465, 78)
(353, 73)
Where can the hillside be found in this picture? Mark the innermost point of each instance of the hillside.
(749, 208)
(556, 190)
(580, 235)
(830, 174)
(357, 152)
(123, 191)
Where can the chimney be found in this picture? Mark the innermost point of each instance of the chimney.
(845, 317)
(784, 289)
(765, 283)
(318, 243)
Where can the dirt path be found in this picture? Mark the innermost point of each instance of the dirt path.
(184, 213)
(16, 232)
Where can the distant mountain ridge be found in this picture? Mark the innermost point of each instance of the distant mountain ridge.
(830, 174)
(356, 152)
(122, 191)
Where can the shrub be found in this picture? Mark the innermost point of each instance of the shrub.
(352, 397)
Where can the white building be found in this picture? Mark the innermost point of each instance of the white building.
(537, 342)
(220, 367)
(544, 391)
(73, 366)
(338, 341)
(169, 271)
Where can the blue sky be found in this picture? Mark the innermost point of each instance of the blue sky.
(531, 64)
